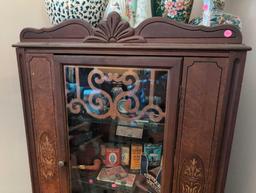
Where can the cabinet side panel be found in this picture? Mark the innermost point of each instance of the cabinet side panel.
(23, 75)
(238, 61)
(205, 84)
(44, 123)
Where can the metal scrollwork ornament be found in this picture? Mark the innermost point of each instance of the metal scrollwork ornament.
(121, 104)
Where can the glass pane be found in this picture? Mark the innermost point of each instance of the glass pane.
(116, 122)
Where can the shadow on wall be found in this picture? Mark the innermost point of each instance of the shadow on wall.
(242, 169)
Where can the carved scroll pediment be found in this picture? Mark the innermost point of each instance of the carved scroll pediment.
(114, 29)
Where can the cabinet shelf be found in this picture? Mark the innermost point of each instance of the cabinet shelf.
(90, 182)
(85, 122)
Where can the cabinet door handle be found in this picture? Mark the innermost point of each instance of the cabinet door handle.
(61, 164)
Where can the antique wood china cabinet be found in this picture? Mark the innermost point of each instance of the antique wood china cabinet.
(117, 109)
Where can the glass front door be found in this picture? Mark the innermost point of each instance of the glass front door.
(116, 123)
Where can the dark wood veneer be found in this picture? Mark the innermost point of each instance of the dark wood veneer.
(206, 70)
(160, 30)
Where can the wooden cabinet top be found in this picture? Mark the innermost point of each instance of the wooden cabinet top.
(114, 33)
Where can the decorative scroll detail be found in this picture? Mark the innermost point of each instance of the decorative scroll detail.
(114, 30)
(47, 157)
(102, 100)
(192, 176)
(155, 29)
(69, 30)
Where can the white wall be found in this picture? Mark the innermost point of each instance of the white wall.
(242, 170)
(14, 169)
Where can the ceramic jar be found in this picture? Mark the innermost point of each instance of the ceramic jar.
(89, 10)
(214, 14)
(178, 10)
(125, 8)
(133, 11)
(157, 7)
(143, 11)
(118, 6)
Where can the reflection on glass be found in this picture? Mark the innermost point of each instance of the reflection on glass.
(116, 122)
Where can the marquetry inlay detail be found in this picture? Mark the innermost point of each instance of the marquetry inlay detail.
(47, 155)
(192, 176)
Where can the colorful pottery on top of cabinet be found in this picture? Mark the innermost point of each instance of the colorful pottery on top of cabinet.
(89, 10)
(143, 11)
(118, 6)
(157, 7)
(178, 10)
(133, 11)
(216, 15)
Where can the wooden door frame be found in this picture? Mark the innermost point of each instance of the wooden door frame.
(172, 64)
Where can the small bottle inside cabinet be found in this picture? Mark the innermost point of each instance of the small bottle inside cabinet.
(116, 123)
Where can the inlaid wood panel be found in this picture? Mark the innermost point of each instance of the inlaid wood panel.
(192, 175)
(44, 123)
(205, 83)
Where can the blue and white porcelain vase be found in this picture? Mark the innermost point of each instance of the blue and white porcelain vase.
(214, 14)
(88, 10)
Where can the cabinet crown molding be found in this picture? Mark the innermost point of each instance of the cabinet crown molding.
(116, 30)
